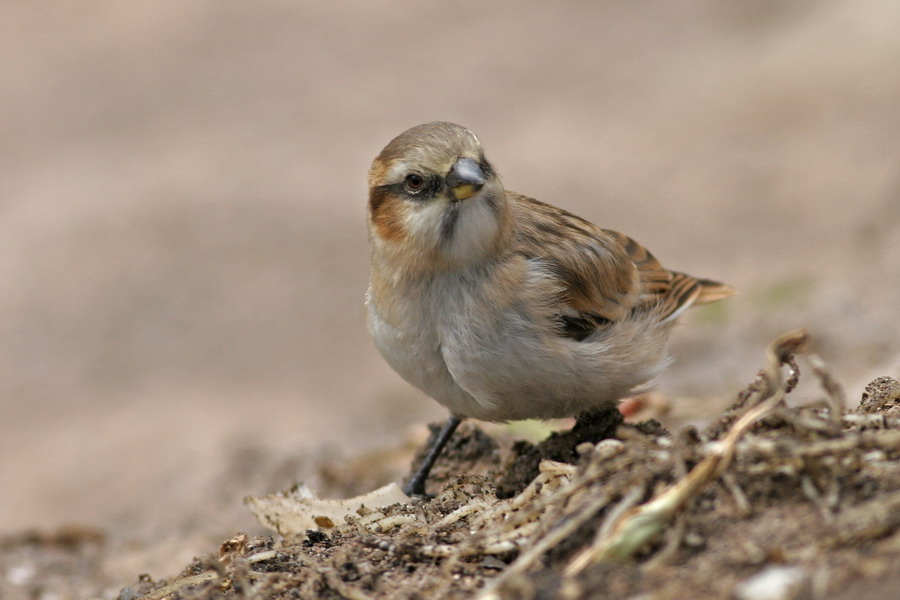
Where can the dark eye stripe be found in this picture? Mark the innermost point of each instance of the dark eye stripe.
(432, 186)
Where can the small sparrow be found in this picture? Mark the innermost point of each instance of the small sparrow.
(499, 306)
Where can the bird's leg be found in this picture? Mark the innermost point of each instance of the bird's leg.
(416, 484)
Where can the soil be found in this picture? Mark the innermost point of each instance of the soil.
(807, 506)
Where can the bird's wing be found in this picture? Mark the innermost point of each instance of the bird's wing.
(605, 276)
(671, 291)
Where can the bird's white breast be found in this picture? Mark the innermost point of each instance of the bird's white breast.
(496, 357)
(411, 344)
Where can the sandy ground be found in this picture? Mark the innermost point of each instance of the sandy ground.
(182, 242)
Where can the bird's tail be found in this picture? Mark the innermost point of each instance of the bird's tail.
(710, 291)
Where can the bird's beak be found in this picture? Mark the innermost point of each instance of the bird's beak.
(465, 179)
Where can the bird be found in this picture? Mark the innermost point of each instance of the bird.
(502, 307)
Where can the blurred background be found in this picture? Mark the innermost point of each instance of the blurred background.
(183, 253)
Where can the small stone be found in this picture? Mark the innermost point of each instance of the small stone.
(773, 583)
(584, 448)
(881, 394)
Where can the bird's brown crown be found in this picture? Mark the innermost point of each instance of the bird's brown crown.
(432, 146)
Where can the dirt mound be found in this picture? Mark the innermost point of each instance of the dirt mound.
(767, 502)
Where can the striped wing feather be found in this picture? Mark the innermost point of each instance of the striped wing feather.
(606, 275)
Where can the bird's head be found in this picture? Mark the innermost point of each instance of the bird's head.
(434, 200)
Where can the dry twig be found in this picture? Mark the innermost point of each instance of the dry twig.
(641, 524)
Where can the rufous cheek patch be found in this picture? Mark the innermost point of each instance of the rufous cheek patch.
(387, 219)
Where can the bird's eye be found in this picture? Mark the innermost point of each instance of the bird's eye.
(414, 182)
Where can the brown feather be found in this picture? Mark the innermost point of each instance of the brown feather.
(711, 291)
(595, 271)
(384, 211)
(606, 276)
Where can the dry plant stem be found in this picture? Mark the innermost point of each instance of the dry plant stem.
(461, 512)
(740, 498)
(793, 373)
(618, 511)
(387, 523)
(876, 439)
(516, 525)
(446, 550)
(180, 584)
(546, 543)
(261, 556)
(561, 498)
(675, 537)
(574, 492)
(836, 398)
(759, 387)
(816, 498)
(524, 523)
(540, 495)
(636, 527)
(515, 522)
